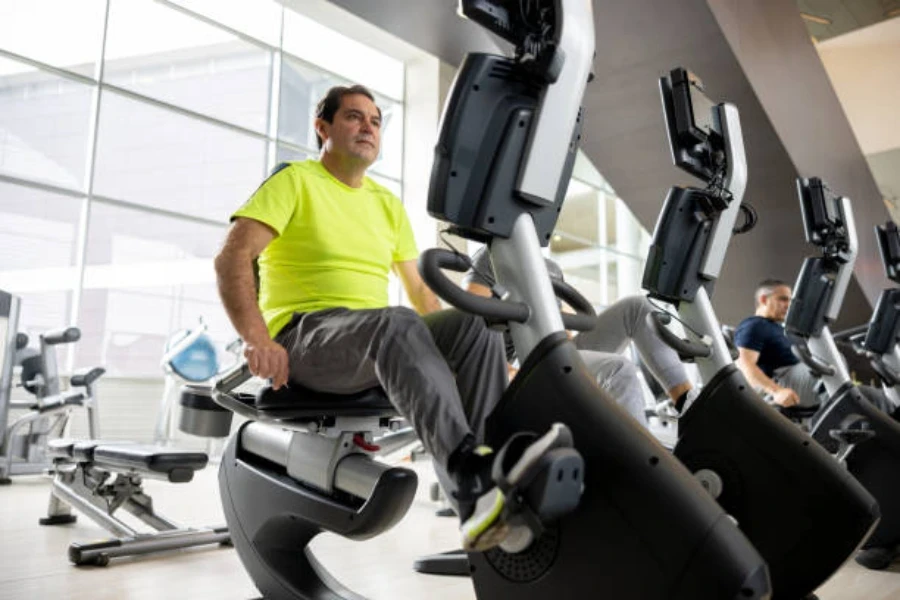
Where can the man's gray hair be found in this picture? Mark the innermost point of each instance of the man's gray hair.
(766, 287)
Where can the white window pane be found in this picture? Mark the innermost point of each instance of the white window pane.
(301, 89)
(38, 240)
(194, 65)
(61, 33)
(340, 54)
(390, 160)
(44, 125)
(257, 18)
(38, 237)
(286, 154)
(147, 275)
(156, 157)
(579, 221)
(43, 311)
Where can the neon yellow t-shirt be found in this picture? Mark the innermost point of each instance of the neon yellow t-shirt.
(335, 243)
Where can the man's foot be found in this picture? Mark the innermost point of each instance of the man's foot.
(482, 505)
(876, 559)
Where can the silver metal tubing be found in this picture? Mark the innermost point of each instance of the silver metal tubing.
(736, 183)
(548, 146)
(357, 474)
(153, 542)
(892, 360)
(700, 316)
(325, 463)
(393, 441)
(823, 346)
(521, 269)
(267, 441)
(69, 495)
(845, 271)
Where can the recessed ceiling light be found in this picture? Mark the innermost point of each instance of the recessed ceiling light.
(816, 19)
(557, 238)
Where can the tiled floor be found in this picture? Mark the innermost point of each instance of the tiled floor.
(33, 562)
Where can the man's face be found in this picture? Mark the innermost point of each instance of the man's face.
(777, 302)
(356, 130)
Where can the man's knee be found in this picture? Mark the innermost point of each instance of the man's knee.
(401, 320)
(621, 366)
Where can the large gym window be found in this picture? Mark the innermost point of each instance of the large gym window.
(598, 242)
(129, 132)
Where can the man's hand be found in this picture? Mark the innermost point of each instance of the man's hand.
(785, 397)
(268, 360)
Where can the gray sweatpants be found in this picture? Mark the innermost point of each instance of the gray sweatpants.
(444, 372)
(623, 322)
(799, 378)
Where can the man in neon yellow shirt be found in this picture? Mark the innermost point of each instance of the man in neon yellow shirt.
(326, 236)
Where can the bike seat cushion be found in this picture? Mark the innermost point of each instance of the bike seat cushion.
(297, 402)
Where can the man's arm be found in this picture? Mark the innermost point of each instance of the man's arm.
(747, 362)
(234, 277)
(421, 296)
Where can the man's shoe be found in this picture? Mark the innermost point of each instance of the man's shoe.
(485, 520)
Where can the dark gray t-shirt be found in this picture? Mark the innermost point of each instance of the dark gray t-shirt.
(482, 273)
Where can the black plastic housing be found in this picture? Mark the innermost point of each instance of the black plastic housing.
(617, 544)
(692, 124)
(766, 464)
(812, 294)
(483, 137)
(824, 221)
(872, 463)
(883, 326)
(889, 246)
(676, 252)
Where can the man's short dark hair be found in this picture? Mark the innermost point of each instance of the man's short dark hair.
(767, 286)
(329, 105)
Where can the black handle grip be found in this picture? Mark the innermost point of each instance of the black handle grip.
(21, 341)
(233, 378)
(62, 336)
(585, 317)
(816, 364)
(685, 348)
(434, 259)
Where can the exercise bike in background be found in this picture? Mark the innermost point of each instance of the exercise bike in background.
(190, 360)
(23, 441)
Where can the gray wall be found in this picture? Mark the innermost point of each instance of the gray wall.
(756, 55)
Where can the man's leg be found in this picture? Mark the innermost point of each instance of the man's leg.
(475, 354)
(343, 351)
(618, 376)
(626, 320)
(799, 378)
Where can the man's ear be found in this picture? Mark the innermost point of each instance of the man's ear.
(321, 127)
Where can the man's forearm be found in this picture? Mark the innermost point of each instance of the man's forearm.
(237, 288)
(424, 300)
(757, 378)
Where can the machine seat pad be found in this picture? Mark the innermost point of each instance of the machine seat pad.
(86, 377)
(148, 458)
(296, 402)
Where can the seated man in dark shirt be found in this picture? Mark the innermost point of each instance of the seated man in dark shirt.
(765, 355)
